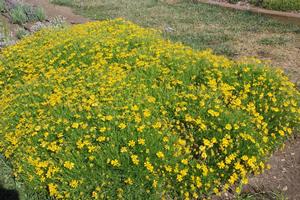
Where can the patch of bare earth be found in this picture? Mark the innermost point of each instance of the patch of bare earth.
(284, 175)
(285, 56)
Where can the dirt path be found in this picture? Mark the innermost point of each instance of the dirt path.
(56, 10)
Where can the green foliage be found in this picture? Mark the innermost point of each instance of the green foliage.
(63, 2)
(256, 2)
(284, 5)
(111, 110)
(22, 13)
(40, 14)
(18, 14)
(21, 32)
(2, 5)
(34, 13)
(274, 40)
(233, 1)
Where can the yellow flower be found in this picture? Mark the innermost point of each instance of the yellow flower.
(52, 189)
(147, 113)
(124, 149)
(131, 143)
(129, 181)
(141, 128)
(101, 139)
(37, 128)
(213, 113)
(281, 132)
(157, 125)
(228, 127)
(69, 165)
(221, 165)
(141, 141)
(135, 159)
(75, 125)
(109, 117)
(95, 195)
(74, 184)
(168, 168)
(115, 163)
(185, 161)
(160, 154)
(179, 177)
(135, 108)
(154, 184)
(122, 126)
(151, 99)
(149, 166)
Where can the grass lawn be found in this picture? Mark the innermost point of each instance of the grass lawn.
(201, 26)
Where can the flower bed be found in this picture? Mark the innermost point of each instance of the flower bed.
(109, 109)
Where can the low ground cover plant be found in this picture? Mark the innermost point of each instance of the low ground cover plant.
(111, 110)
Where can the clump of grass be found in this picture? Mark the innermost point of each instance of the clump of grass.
(34, 13)
(63, 2)
(21, 33)
(274, 40)
(111, 110)
(2, 6)
(284, 5)
(18, 14)
(22, 13)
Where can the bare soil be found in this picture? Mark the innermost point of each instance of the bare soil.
(284, 175)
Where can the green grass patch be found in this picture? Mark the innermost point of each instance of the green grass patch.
(274, 40)
(198, 25)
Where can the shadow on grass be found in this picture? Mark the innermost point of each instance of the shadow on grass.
(6, 194)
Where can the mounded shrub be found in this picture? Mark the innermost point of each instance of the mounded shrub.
(110, 110)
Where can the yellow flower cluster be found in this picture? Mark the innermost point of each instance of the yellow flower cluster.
(109, 110)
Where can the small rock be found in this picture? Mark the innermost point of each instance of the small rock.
(285, 188)
(169, 29)
(283, 169)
